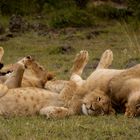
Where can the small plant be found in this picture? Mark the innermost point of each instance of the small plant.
(81, 3)
(109, 12)
(73, 18)
(134, 6)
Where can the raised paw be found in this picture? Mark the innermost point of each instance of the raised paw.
(25, 60)
(54, 112)
(80, 62)
(106, 60)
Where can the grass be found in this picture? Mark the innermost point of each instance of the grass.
(77, 127)
(124, 43)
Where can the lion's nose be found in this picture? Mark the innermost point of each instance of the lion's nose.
(28, 57)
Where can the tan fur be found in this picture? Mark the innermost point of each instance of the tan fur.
(34, 75)
(121, 87)
(26, 101)
(96, 87)
(14, 79)
(125, 91)
(91, 94)
(31, 100)
(55, 85)
(76, 93)
(78, 96)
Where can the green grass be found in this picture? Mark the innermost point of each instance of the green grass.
(77, 127)
(124, 43)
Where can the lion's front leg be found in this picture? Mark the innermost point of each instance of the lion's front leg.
(130, 111)
(133, 105)
(54, 112)
(106, 60)
(14, 79)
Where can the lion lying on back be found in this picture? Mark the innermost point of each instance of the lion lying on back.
(31, 100)
(96, 95)
(34, 75)
(120, 87)
(104, 91)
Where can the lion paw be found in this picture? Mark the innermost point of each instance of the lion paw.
(106, 59)
(25, 60)
(54, 112)
(80, 62)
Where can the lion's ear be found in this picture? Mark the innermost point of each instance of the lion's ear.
(50, 76)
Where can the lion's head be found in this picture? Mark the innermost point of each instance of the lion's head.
(97, 103)
(35, 74)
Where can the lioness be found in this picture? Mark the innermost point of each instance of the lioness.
(93, 96)
(121, 87)
(35, 75)
(124, 91)
(31, 100)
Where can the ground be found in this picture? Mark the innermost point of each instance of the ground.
(55, 51)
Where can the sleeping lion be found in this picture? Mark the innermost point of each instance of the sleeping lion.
(32, 100)
(121, 87)
(105, 91)
(97, 95)
(34, 75)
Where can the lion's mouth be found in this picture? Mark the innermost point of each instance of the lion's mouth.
(91, 111)
(87, 111)
(84, 109)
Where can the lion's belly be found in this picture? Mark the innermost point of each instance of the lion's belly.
(100, 78)
(26, 101)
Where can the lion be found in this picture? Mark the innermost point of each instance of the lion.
(35, 75)
(89, 97)
(76, 97)
(85, 96)
(111, 90)
(33, 100)
(124, 91)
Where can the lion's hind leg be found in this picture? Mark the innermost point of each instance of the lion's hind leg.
(78, 67)
(80, 62)
(106, 60)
